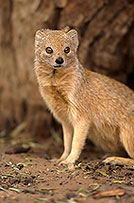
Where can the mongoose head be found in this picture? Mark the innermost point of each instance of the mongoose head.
(56, 48)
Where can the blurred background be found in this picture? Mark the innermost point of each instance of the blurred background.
(106, 34)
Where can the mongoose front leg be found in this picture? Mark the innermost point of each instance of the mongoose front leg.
(68, 136)
(80, 134)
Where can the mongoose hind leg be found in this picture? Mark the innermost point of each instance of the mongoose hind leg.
(127, 139)
(118, 161)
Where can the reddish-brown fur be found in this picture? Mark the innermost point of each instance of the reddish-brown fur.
(84, 102)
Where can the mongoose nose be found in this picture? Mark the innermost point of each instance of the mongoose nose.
(59, 60)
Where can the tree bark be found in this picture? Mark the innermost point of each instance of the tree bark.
(106, 30)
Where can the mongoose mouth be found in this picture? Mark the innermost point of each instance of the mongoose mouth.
(57, 66)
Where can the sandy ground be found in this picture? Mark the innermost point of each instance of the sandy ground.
(27, 175)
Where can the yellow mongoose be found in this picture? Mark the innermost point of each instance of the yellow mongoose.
(84, 102)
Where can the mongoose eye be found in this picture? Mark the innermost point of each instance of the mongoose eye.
(67, 50)
(49, 50)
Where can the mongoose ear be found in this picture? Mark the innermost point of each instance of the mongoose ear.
(39, 35)
(66, 29)
(73, 34)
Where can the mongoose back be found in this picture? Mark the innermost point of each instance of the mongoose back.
(87, 104)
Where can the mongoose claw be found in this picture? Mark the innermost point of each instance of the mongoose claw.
(102, 163)
(71, 167)
(54, 160)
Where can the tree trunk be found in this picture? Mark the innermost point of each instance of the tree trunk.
(106, 30)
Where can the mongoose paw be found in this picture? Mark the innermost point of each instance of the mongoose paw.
(58, 161)
(112, 161)
(70, 166)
